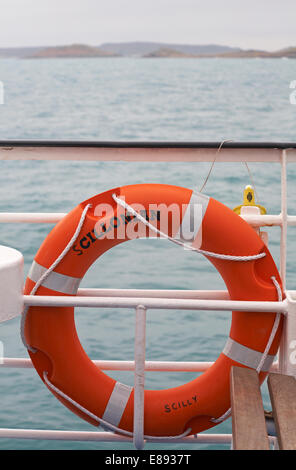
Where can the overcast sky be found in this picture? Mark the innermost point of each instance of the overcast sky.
(265, 24)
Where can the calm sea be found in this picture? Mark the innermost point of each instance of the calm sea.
(134, 99)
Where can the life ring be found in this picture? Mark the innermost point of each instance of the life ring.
(51, 332)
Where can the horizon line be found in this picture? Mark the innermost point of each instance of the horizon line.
(145, 42)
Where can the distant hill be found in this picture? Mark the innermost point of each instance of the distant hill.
(168, 53)
(144, 48)
(289, 52)
(252, 53)
(172, 53)
(74, 50)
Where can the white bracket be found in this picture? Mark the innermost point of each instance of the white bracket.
(253, 210)
(287, 355)
(11, 283)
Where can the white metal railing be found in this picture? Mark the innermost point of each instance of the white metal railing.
(150, 303)
(141, 299)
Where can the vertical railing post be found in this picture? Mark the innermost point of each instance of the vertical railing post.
(283, 247)
(140, 348)
(283, 351)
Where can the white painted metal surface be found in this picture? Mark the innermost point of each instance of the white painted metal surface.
(105, 436)
(147, 153)
(11, 283)
(283, 253)
(256, 220)
(160, 299)
(155, 366)
(155, 303)
(140, 350)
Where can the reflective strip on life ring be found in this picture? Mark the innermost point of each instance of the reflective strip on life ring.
(117, 403)
(51, 331)
(55, 281)
(246, 356)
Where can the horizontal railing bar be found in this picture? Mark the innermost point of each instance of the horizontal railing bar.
(123, 144)
(155, 303)
(156, 366)
(146, 151)
(150, 366)
(155, 293)
(54, 217)
(31, 217)
(268, 220)
(41, 434)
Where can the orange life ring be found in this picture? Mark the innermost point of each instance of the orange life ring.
(51, 331)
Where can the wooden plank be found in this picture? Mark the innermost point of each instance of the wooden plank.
(282, 390)
(248, 421)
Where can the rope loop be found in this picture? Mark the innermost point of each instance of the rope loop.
(101, 421)
(50, 269)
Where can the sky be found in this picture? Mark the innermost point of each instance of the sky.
(260, 24)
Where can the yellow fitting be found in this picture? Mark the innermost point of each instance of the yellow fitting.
(249, 200)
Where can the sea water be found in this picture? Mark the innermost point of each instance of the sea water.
(135, 100)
